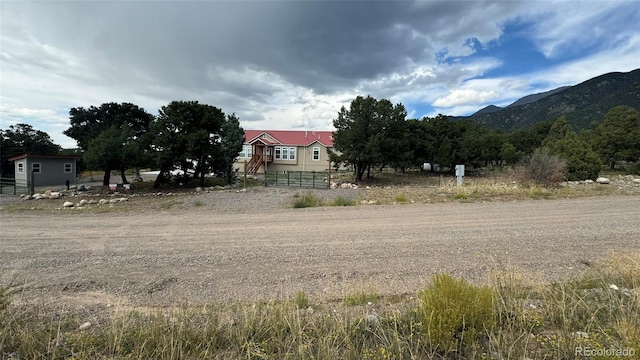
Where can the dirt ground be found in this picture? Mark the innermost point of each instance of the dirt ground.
(199, 254)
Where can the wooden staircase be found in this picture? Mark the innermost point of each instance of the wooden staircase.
(254, 164)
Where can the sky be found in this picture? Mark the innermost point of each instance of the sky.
(284, 64)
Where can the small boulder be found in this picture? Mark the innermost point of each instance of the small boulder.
(37, 196)
(55, 195)
(103, 201)
(83, 202)
(603, 180)
(67, 204)
(588, 181)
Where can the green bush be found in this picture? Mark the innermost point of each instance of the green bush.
(455, 314)
(302, 301)
(306, 200)
(402, 198)
(342, 201)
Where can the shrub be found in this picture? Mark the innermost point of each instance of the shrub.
(402, 198)
(306, 200)
(543, 167)
(455, 313)
(361, 298)
(302, 301)
(342, 201)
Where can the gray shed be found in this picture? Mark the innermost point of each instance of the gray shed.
(48, 170)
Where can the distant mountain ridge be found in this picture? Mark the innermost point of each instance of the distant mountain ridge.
(581, 104)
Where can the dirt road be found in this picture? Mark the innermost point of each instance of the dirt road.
(167, 257)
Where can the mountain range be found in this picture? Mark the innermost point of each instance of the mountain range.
(581, 104)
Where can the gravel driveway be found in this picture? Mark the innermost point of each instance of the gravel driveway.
(205, 254)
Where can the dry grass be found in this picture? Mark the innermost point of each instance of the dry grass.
(515, 317)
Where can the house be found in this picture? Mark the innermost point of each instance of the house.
(285, 150)
(48, 170)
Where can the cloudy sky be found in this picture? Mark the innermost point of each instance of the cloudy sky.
(292, 64)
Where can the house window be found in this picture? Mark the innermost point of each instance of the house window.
(285, 153)
(316, 153)
(20, 168)
(35, 167)
(67, 167)
(247, 152)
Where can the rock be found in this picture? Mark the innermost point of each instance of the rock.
(81, 187)
(198, 189)
(47, 193)
(613, 287)
(26, 197)
(372, 202)
(637, 181)
(92, 201)
(588, 181)
(83, 202)
(37, 196)
(103, 201)
(344, 185)
(67, 204)
(372, 320)
(603, 180)
(55, 195)
(84, 326)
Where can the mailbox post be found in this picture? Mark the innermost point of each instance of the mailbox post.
(459, 173)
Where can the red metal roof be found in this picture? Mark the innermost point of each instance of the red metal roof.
(292, 137)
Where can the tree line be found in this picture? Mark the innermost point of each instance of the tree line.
(374, 134)
(200, 139)
(196, 138)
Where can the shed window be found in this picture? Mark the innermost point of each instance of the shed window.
(316, 153)
(35, 167)
(67, 167)
(20, 167)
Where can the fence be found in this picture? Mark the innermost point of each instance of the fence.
(12, 186)
(304, 179)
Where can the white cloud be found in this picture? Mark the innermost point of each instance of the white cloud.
(465, 97)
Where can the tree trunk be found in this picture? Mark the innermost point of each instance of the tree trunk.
(612, 164)
(159, 179)
(106, 177)
(369, 171)
(124, 177)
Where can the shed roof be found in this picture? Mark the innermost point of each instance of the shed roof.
(41, 156)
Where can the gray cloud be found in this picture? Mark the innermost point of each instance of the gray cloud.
(284, 63)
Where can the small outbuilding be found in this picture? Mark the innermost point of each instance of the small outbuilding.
(48, 170)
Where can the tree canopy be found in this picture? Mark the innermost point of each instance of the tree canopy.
(111, 136)
(23, 139)
(617, 138)
(196, 139)
(365, 135)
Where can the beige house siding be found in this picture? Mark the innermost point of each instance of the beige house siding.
(304, 160)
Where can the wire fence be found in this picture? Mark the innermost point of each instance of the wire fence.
(11, 186)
